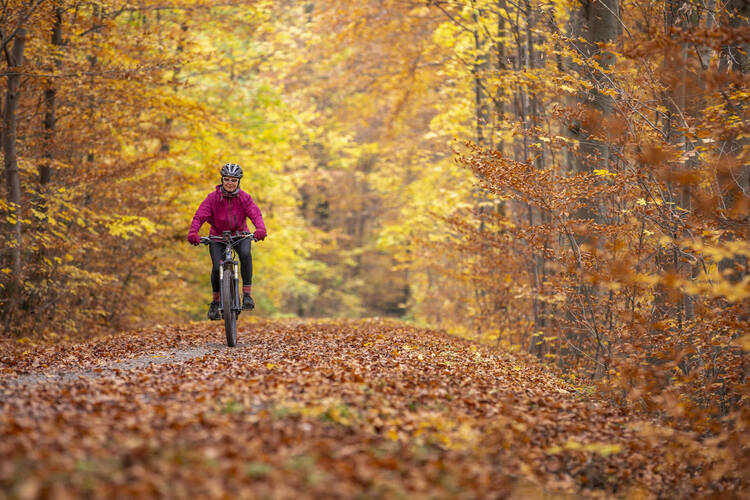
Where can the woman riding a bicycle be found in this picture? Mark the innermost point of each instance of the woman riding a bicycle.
(227, 209)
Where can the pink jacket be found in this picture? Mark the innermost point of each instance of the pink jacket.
(228, 214)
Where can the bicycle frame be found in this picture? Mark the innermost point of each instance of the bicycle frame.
(230, 263)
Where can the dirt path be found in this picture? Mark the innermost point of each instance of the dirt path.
(113, 368)
(308, 409)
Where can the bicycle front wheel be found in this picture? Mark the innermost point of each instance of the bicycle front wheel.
(230, 314)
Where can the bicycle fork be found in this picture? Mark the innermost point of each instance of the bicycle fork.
(236, 280)
(237, 304)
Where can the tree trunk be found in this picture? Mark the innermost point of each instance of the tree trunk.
(595, 22)
(479, 66)
(499, 68)
(13, 183)
(50, 109)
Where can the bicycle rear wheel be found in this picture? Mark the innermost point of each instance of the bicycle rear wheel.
(230, 315)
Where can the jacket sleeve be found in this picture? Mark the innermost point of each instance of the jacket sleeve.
(253, 213)
(201, 216)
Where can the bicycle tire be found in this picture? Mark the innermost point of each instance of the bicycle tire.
(230, 315)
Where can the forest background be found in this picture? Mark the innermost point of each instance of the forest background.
(566, 178)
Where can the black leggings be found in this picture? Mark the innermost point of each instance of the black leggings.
(246, 262)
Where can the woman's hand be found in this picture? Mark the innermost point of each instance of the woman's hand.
(194, 239)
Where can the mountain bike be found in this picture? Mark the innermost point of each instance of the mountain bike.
(230, 305)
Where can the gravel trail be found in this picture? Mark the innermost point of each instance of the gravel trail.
(157, 358)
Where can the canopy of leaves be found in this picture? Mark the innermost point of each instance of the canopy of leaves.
(564, 179)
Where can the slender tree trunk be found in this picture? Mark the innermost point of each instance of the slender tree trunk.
(499, 67)
(500, 302)
(13, 183)
(479, 66)
(165, 145)
(593, 23)
(481, 111)
(93, 62)
(50, 109)
(530, 121)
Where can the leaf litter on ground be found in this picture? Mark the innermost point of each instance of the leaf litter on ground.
(334, 408)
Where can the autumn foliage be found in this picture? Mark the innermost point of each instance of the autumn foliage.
(565, 180)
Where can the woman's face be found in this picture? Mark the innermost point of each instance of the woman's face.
(230, 183)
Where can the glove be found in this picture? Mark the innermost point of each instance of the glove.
(259, 235)
(194, 239)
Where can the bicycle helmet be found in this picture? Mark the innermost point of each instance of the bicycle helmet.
(231, 170)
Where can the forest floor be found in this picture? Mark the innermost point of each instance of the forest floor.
(311, 409)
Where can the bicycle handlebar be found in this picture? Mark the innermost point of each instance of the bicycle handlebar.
(226, 238)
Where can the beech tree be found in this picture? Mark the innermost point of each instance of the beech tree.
(567, 180)
(14, 61)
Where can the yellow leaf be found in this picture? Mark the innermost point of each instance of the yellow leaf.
(603, 172)
(603, 449)
(573, 445)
